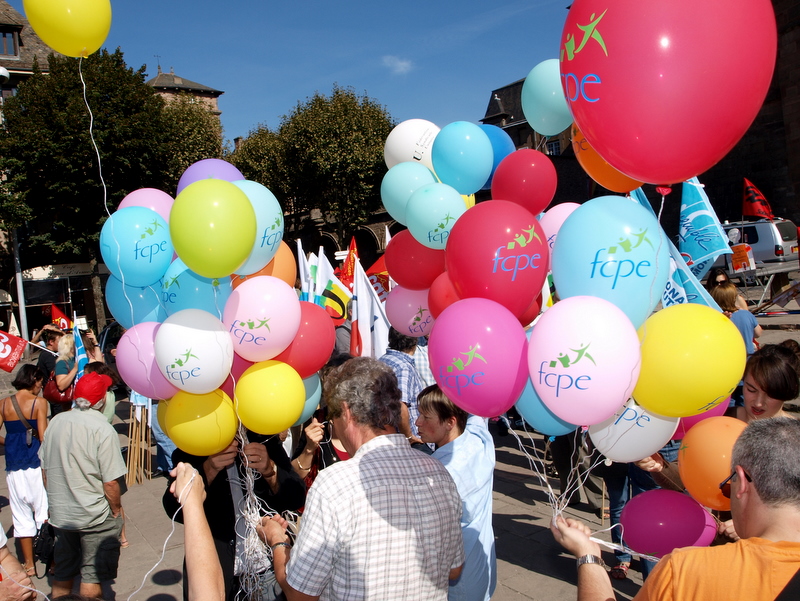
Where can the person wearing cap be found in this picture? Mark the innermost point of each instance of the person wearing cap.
(81, 461)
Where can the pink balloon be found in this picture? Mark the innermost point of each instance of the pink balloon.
(687, 422)
(551, 222)
(584, 359)
(149, 198)
(262, 316)
(408, 312)
(477, 354)
(239, 366)
(659, 521)
(136, 362)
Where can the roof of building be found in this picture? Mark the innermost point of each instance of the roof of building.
(30, 45)
(505, 103)
(170, 81)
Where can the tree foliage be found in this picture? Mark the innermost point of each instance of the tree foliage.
(327, 154)
(53, 184)
(191, 132)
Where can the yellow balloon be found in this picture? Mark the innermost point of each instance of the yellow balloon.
(161, 415)
(71, 27)
(270, 397)
(201, 424)
(213, 227)
(469, 201)
(692, 359)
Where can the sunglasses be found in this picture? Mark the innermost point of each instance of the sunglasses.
(725, 485)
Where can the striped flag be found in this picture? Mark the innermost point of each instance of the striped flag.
(329, 292)
(80, 351)
(369, 335)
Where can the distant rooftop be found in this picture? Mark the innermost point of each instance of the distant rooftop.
(171, 82)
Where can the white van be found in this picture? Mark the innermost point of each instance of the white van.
(771, 241)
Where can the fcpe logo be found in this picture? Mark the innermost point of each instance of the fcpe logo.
(613, 266)
(441, 232)
(148, 251)
(420, 322)
(520, 261)
(456, 381)
(575, 86)
(180, 371)
(561, 381)
(242, 331)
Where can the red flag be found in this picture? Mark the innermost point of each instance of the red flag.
(11, 349)
(379, 278)
(348, 270)
(59, 318)
(754, 203)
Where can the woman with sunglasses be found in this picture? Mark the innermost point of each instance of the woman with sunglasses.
(719, 276)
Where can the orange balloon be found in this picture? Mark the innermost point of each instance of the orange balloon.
(597, 168)
(283, 266)
(704, 459)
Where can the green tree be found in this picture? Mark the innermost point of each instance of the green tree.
(327, 154)
(191, 133)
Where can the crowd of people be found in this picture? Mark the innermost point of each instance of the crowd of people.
(392, 483)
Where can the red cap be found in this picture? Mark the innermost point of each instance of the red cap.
(92, 387)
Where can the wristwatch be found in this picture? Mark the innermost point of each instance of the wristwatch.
(590, 559)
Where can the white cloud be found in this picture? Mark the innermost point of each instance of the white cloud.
(397, 65)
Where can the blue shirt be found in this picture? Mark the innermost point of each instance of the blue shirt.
(470, 461)
(745, 322)
(408, 380)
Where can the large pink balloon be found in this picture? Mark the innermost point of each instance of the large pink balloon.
(526, 177)
(149, 198)
(136, 362)
(657, 522)
(477, 354)
(584, 359)
(262, 316)
(641, 78)
(497, 250)
(408, 312)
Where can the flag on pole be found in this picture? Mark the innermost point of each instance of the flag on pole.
(304, 273)
(379, 278)
(11, 348)
(701, 238)
(387, 235)
(754, 203)
(349, 266)
(80, 351)
(59, 318)
(329, 292)
(369, 333)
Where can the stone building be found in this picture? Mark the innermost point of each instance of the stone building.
(169, 86)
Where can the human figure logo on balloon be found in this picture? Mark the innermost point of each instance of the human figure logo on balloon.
(622, 268)
(180, 371)
(521, 261)
(457, 381)
(562, 381)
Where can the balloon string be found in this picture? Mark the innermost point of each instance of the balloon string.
(91, 136)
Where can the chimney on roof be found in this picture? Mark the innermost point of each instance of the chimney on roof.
(172, 71)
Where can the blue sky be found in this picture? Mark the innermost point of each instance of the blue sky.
(430, 60)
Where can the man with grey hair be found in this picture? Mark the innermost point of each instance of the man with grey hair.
(383, 525)
(764, 489)
(81, 462)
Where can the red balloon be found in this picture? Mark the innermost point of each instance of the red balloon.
(642, 78)
(526, 177)
(240, 365)
(498, 250)
(411, 264)
(314, 342)
(441, 294)
(531, 312)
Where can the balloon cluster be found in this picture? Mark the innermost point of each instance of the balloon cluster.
(204, 285)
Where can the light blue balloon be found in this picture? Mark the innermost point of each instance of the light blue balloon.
(612, 248)
(313, 386)
(136, 246)
(184, 289)
(502, 146)
(432, 210)
(269, 226)
(536, 413)
(131, 305)
(462, 156)
(399, 183)
(543, 101)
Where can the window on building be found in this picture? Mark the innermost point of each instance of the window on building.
(554, 147)
(8, 43)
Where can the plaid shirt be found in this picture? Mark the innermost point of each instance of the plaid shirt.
(408, 380)
(382, 526)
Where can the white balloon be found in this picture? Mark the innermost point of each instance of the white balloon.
(410, 140)
(194, 351)
(632, 433)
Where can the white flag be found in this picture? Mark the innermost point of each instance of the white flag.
(369, 335)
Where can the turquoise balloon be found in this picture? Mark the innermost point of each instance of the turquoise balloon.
(269, 226)
(183, 289)
(502, 146)
(536, 413)
(543, 101)
(432, 210)
(135, 245)
(131, 305)
(462, 156)
(612, 248)
(313, 386)
(399, 183)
